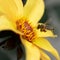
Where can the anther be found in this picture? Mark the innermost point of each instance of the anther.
(26, 29)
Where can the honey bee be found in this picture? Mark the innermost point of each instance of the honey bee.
(44, 26)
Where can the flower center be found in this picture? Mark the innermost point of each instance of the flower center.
(24, 27)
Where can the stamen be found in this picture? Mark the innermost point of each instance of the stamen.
(24, 27)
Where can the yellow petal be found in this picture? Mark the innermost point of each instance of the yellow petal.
(44, 44)
(32, 52)
(12, 9)
(48, 33)
(44, 56)
(34, 10)
(5, 24)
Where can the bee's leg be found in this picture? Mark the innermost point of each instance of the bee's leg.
(43, 30)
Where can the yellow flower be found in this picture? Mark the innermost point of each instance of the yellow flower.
(23, 20)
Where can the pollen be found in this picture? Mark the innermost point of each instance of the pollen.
(27, 30)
